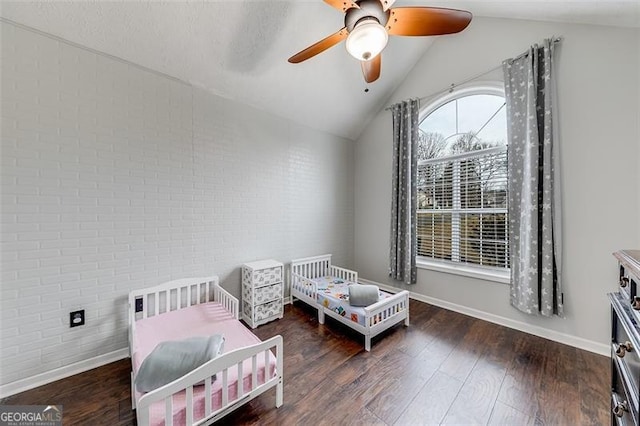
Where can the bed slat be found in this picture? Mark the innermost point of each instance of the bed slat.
(207, 396)
(168, 410)
(240, 381)
(254, 371)
(225, 387)
(189, 407)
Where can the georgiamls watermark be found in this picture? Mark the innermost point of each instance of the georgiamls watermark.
(30, 415)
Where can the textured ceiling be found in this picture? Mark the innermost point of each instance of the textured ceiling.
(239, 49)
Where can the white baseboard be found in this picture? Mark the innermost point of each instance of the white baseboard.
(556, 336)
(62, 372)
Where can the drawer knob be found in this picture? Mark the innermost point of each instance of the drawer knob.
(624, 281)
(635, 303)
(620, 408)
(623, 348)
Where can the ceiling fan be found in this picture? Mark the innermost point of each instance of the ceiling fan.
(369, 23)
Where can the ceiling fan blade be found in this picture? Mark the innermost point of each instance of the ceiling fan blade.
(386, 4)
(371, 69)
(427, 21)
(342, 5)
(319, 47)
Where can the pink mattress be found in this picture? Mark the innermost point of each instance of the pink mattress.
(199, 320)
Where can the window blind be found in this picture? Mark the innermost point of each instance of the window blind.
(462, 208)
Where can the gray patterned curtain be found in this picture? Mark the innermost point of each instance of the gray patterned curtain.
(402, 263)
(534, 210)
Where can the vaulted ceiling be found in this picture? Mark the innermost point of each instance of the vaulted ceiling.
(239, 49)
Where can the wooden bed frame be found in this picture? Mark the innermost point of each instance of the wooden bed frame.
(378, 317)
(180, 294)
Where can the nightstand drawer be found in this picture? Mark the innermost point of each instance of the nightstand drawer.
(626, 352)
(258, 313)
(268, 310)
(262, 294)
(627, 283)
(624, 407)
(628, 276)
(264, 277)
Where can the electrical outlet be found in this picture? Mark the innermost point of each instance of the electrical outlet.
(76, 318)
(139, 305)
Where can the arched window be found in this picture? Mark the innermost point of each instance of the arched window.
(462, 180)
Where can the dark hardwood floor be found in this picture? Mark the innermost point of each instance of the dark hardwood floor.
(446, 368)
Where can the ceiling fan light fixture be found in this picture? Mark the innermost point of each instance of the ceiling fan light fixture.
(367, 40)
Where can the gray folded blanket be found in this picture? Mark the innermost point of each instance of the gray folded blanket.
(173, 359)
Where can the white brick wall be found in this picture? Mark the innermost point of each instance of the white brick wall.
(115, 178)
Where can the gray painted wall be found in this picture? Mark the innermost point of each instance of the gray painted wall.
(598, 79)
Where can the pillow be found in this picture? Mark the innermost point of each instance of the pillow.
(363, 294)
(172, 360)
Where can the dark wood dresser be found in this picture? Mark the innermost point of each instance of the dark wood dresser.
(625, 341)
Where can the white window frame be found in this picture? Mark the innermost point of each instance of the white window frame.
(480, 272)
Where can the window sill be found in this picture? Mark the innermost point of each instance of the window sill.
(467, 271)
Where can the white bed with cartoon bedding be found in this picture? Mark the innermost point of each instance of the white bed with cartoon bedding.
(326, 287)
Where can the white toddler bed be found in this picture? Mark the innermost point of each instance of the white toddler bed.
(199, 307)
(315, 281)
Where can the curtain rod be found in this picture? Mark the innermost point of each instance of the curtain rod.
(452, 86)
